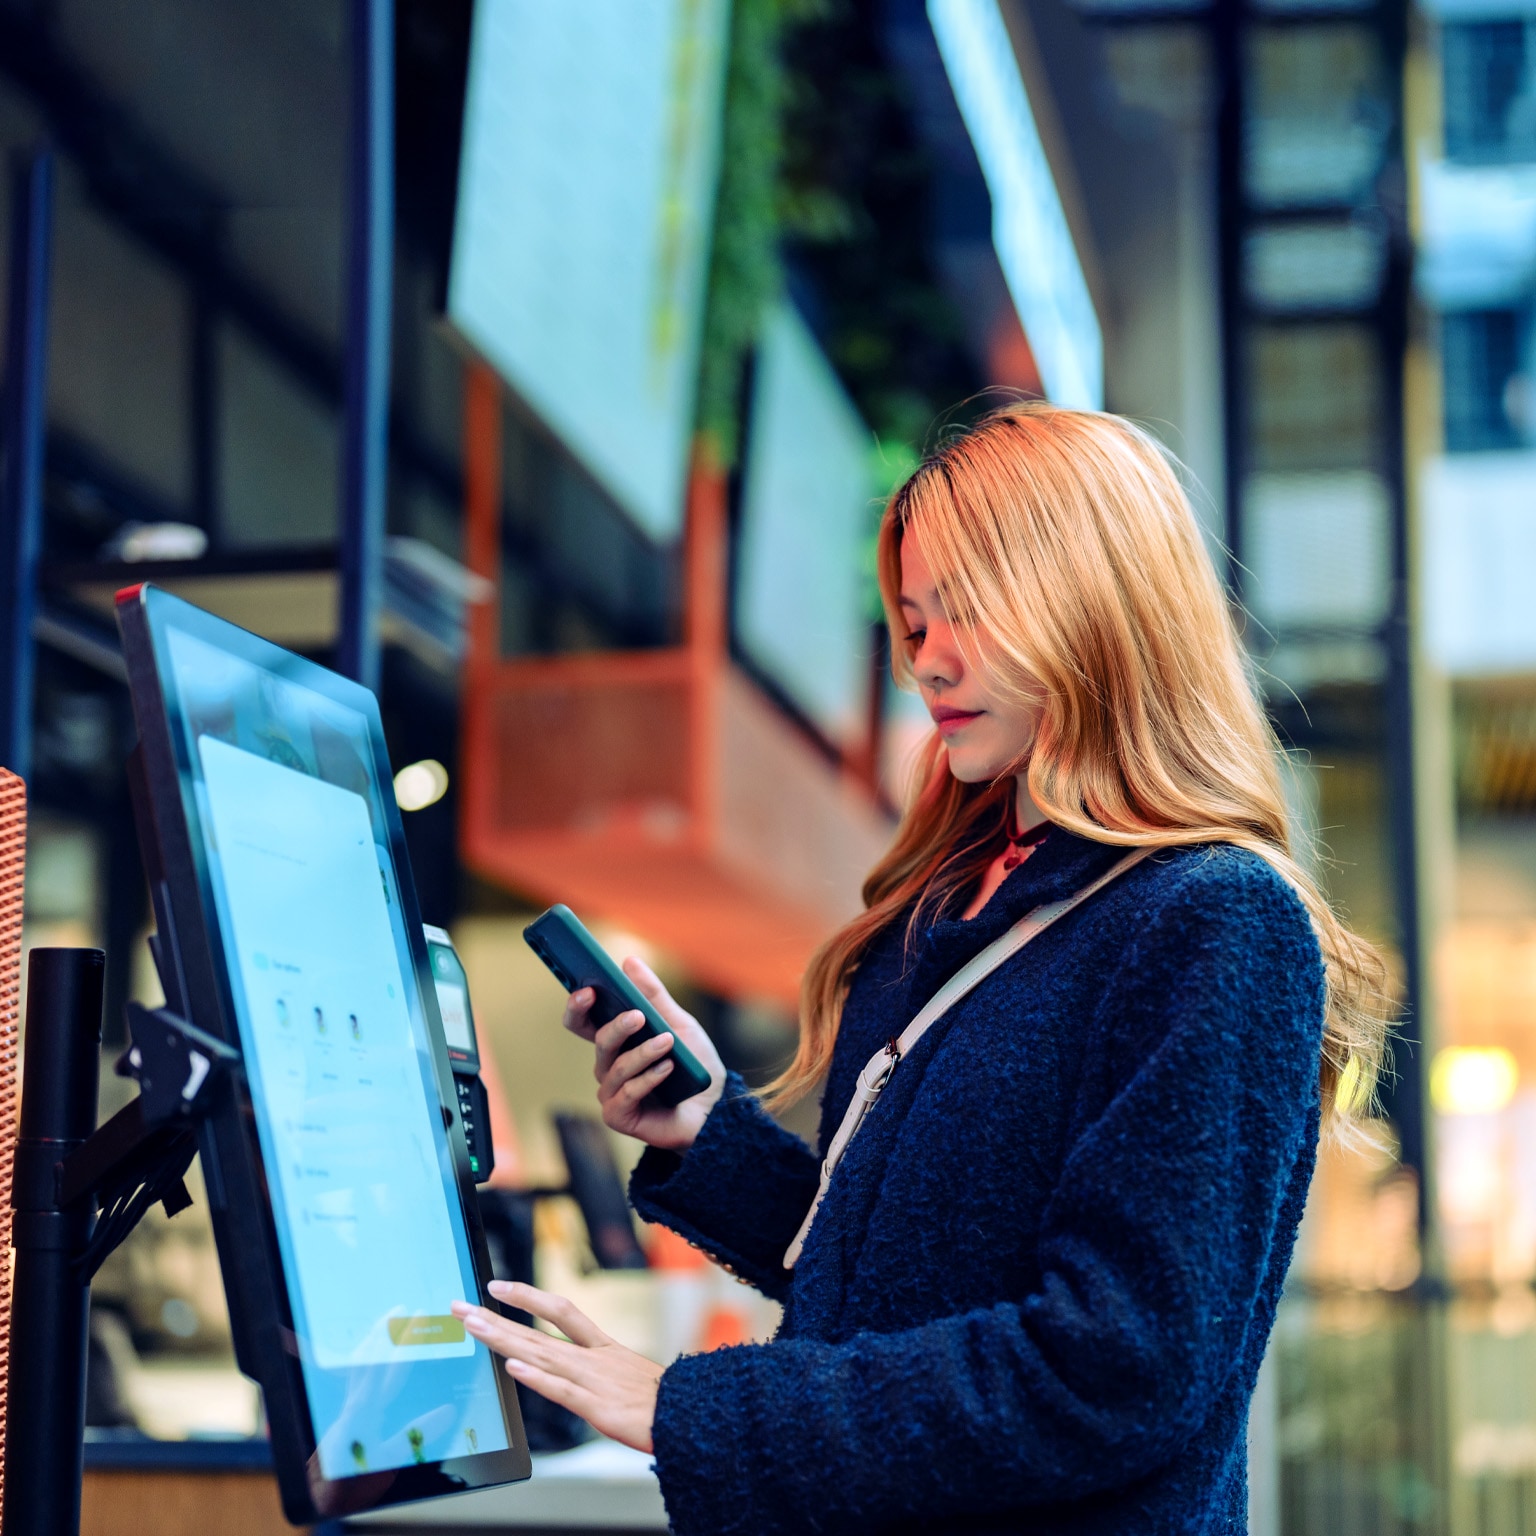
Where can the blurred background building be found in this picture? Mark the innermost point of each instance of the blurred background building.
(675, 293)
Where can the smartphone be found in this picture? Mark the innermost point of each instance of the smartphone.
(560, 939)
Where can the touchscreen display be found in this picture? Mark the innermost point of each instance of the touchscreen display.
(361, 1174)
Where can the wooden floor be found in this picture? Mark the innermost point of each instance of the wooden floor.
(181, 1504)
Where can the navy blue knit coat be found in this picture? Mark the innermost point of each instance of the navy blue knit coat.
(1038, 1291)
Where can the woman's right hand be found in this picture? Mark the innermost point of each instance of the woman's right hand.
(624, 1078)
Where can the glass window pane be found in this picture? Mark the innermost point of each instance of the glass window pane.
(280, 451)
(120, 354)
(1316, 397)
(1318, 119)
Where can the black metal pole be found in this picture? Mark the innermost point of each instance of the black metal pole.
(50, 1316)
(1227, 43)
(21, 491)
(1403, 1090)
(370, 257)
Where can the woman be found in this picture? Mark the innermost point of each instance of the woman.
(1039, 1287)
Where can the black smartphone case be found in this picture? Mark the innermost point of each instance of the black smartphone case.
(559, 938)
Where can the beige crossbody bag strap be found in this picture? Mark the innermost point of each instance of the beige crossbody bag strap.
(877, 1072)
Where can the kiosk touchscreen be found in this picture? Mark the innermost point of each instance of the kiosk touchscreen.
(337, 1169)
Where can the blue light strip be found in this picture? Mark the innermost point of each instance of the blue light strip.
(1029, 227)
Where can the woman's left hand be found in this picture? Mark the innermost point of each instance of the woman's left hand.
(611, 1387)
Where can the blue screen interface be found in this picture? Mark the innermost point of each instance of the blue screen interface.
(364, 1192)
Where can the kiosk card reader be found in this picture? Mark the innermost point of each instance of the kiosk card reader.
(463, 1049)
(339, 1150)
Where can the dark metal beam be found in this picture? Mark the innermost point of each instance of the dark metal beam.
(1228, 41)
(21, 491)
(370, 260)
(1129, 17)
(1403, 1094)
(205, 381)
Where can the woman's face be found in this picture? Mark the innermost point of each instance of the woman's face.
(986, 732)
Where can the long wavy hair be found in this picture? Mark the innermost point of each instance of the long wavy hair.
(1065, 538)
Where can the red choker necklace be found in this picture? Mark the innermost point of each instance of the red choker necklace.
(1019, 843)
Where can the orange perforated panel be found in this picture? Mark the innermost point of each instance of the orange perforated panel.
(13, 859)
(579, 743)
(587, 794)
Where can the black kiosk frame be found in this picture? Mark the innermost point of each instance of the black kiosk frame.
(196, 1095)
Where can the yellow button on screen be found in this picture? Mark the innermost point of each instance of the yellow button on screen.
(426, 1330)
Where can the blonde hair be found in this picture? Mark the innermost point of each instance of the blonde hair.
(1067, 540)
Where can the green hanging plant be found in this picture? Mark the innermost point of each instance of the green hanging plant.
(744, 265)
(745, 272)
(818, 160)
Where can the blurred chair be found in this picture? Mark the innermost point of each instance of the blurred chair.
(598, 1189)
(13, 855)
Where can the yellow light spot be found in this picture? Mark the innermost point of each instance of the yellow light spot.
(419, 785)
(1472, 1080)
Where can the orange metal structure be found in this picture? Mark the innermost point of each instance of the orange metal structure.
(659, 789)
(13, 860)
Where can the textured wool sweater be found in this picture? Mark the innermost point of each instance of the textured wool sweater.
(1039, 1289)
